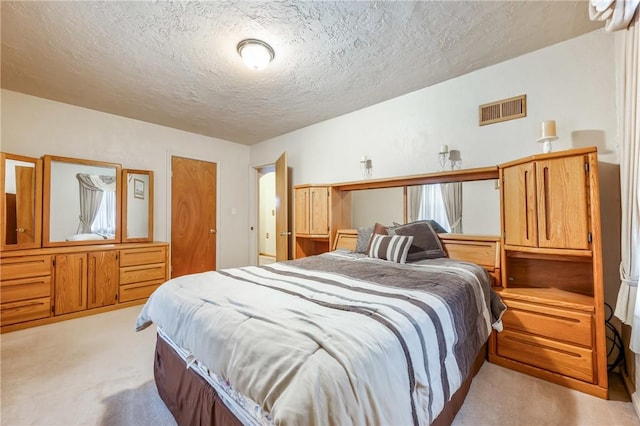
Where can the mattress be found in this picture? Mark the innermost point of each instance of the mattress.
(331, 339)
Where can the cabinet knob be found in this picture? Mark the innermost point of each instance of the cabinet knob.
(284, 234)
(212, 231)
(20, 229)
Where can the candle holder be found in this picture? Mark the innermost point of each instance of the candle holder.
(366, 167)
(547, 134)
(453, 156)
(455, 159)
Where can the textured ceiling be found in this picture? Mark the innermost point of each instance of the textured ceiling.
(175, 63)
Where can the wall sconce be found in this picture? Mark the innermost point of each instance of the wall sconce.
(455, 159)
(453, 156)
(547, 134)
(366, 167)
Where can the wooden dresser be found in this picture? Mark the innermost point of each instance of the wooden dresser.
(40, 286)
(552, 282)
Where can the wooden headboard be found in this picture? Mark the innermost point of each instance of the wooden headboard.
(480, 249)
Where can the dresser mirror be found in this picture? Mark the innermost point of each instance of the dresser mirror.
(21, 202)
(137, 205)
(81, 202)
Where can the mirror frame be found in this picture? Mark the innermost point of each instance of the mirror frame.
(125, 198)
(46, 211)
(37, 226)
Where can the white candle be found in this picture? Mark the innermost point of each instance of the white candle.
(444, 148)
(548, 129)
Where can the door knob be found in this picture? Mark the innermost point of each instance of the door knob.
(212, 231)
(284, 234)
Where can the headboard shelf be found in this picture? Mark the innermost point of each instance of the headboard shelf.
(463, 175)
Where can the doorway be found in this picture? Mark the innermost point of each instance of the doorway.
(266, 214)
(273, 236)
(193, 216)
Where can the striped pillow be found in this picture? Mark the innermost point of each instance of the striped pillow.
(390, 247)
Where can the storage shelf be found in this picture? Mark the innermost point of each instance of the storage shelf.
(522, 251)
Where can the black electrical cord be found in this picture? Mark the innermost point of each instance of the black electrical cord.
(614, 338)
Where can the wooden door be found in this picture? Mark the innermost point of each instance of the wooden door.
(282, 209)
(319, 210)
(102, 278)
(25, 204)
(193, 216)
(70, 283)
(519, 205)
(563, 220)
(301, 201)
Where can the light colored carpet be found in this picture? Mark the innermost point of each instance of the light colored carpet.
(98, 371)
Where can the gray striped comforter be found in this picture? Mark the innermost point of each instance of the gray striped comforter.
(335, 338)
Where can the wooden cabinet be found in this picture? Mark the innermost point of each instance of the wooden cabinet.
(40, 286)
(312, 210)
(552, 271)
(85, 281)
(312, 218)
(545, 203)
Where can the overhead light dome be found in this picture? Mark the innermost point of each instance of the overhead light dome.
(256, 54)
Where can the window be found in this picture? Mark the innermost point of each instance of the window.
(432, 205)
(105, 221)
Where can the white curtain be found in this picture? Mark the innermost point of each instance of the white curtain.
(92, 189)
(452, 197)
(623, 16)
(415, 202)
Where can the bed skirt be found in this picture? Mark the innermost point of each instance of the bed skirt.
(193, 401)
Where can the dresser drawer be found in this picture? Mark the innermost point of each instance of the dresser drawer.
(143, 256)
(558, 324)
(138, 291)
(24, 267)
(562, 358)
(135, 274)
(25, 288)
(26, 310)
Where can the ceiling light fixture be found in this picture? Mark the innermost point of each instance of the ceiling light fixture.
(256, 54)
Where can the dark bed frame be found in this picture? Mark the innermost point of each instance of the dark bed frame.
(193, 401)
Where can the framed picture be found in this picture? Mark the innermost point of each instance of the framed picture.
(138, 188)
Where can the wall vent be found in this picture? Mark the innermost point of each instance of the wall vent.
(506, 109)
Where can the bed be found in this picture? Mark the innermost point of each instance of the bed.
(339, 338)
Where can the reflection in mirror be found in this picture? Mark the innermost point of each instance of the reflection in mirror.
(21, 201)
(383, 205)
(460, 207)
(137, 218)
(83, 201)
(477, 213)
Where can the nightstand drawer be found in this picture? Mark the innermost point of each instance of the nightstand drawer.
(25, 266)
(25, 288)
(143, 256)
(135, 274)
(558, 324)
(550, 355)
(26, 310)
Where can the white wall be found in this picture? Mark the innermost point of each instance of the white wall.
(34, 126)
(267, 225)
(571, 82)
